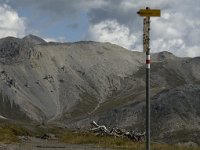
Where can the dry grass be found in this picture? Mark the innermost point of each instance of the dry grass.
(9, 133)
(115, 143)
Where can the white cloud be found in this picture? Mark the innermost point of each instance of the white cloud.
(91, 4)
(176, 33)
(10, 23)
(111, 31)
(192, 51)
(59, 39)
(167, 45)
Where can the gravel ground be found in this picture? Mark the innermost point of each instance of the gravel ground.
(39, 144)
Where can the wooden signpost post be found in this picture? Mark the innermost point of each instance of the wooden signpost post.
(147, 13)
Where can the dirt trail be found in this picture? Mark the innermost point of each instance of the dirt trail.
(39, 144)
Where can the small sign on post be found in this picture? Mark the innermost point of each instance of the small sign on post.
(149, 12)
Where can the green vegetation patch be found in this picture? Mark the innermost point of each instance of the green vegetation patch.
(9, 132)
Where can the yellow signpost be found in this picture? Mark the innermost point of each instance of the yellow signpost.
(149, 12)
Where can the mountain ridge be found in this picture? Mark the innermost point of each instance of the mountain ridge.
(72, 84)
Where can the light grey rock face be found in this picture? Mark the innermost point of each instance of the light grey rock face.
(53, 80)
(74, 83)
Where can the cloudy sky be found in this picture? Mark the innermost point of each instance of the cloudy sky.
(115, 21)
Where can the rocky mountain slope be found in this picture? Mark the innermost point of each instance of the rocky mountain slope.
(74, 83)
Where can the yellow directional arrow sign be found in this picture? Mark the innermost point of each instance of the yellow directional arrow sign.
(149, 12)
